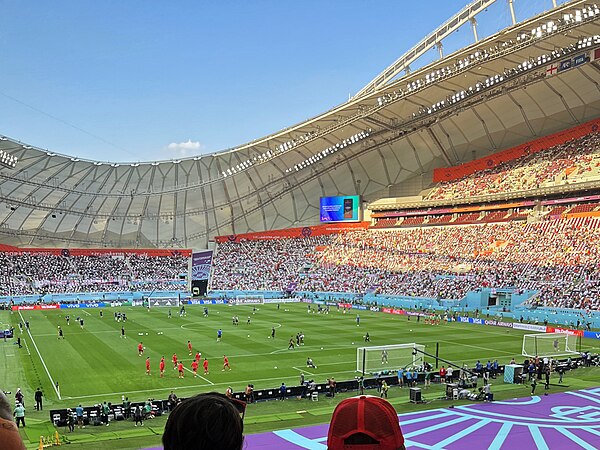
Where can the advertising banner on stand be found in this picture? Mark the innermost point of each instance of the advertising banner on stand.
(201, 264)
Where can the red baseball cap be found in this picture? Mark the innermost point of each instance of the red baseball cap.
(365, 415)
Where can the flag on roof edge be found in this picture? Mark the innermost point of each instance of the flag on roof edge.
(552, 69)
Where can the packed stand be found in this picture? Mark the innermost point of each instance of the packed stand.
(573, 161)
(39, 273)
(559, 258)
(266, 265)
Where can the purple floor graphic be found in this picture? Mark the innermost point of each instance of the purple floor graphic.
(559, 421)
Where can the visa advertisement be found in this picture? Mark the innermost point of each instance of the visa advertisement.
(340, 209)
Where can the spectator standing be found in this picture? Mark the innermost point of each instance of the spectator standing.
(332, 385)
(443, 373)
(70, 420)
(105, 411)
(79, 414)
(384, 389)
(172, 401)
(126, 407)
(138, 416)
(19, 397)
(38, 399)
(19, 414)
(561, 373)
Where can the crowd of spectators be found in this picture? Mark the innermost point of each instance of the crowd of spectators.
(558, 258)
(42, 273)
(265, 264)
(574, 161)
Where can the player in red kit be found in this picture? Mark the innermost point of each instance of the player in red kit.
(174, 360)
(198, 356)
(205, 365)
(226, 363)
(180, 369)
(147, 365)
(161, 366)
(195, 368)
(190, 348)
(140, 349)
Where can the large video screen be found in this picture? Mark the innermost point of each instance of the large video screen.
(340, 209)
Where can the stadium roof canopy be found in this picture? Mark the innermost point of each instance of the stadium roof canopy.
(501, 91)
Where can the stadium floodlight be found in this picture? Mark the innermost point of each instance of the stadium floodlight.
(355, 138)
(8, 160)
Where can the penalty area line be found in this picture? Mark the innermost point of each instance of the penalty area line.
(27, 347)
(225, 383)
(41, 359)
(199, 376)
(303, 371)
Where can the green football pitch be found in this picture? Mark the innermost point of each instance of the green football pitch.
(96, 363)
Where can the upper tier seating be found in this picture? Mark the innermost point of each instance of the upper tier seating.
(575, 161)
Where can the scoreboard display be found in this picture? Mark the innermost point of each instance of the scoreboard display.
(340, 209)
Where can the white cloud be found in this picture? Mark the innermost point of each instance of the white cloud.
(182, 149)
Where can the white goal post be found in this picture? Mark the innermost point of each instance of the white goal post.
(154, 302)
(549, 344)
(388, 357)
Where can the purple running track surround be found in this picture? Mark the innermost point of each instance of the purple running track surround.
(568, 420)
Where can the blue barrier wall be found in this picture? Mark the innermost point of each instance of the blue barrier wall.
(476, 300)
(95, 296)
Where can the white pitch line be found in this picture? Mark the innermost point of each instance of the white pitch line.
(304, 371)
(199, 376)
(41, 359)
(27, 346)
(227, 383)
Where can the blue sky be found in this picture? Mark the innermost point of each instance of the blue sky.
(135, 80)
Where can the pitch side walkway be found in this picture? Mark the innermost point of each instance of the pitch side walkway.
(568, 420)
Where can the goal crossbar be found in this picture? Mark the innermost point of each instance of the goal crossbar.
(549, 344)
(388, 357)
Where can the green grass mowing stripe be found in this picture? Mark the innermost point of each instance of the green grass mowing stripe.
(41, 359)
(253, 359)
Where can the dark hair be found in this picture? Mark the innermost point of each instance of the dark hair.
(204, 422)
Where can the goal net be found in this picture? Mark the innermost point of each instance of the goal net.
(248, 300)
(154, 302)
(549, 344)
(388, 357)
